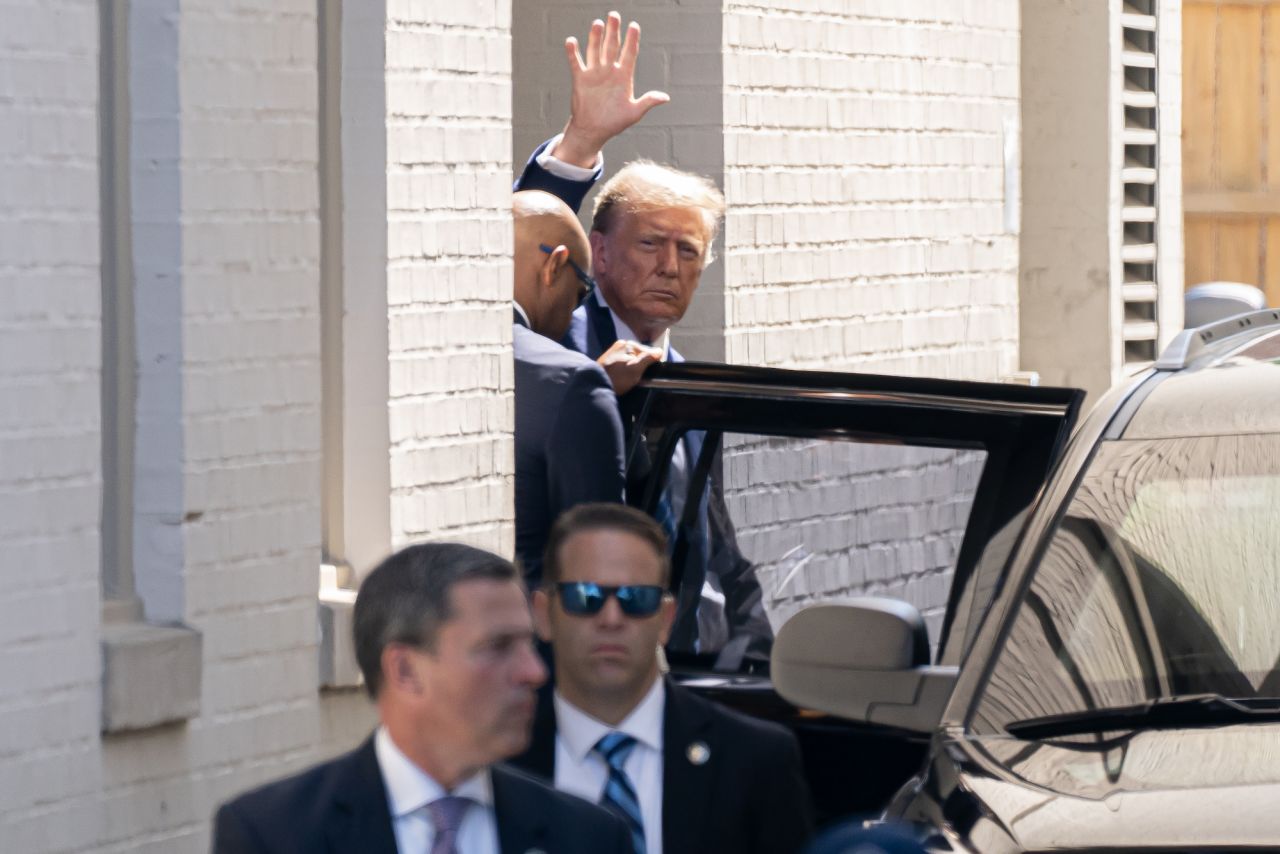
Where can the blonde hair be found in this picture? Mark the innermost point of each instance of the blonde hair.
(644, 184)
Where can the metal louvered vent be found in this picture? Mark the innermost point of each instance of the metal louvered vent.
(1138, 174)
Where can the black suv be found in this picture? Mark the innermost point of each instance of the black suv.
(1016, 638)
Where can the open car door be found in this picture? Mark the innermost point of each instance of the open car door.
(783, 489)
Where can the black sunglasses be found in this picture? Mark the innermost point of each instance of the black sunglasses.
(588, 283)
(583, 598)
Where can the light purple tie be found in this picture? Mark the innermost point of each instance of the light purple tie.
(446, 814)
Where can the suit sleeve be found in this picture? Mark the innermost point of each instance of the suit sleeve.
(570, 192)
(744, 600)
(232, 834)
(584, 448)
(785, 818)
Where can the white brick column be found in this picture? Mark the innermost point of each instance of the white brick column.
(226, 252)
(50, 473)
(449, 239)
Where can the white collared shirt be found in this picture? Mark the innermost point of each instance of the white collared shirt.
(626, 333)
(583, 772)
(410, 789)
(678, 478)
(524, 315)
(568, 171)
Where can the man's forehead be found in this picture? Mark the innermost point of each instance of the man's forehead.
(674, 221)
(596, 551)
(486, 598)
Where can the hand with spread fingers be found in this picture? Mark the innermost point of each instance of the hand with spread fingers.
(603, 103)
(625, 363)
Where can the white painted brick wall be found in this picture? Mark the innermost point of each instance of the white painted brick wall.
(50, 473)
(449, 271)
(239, 225)
(226, 229)
(865, 181)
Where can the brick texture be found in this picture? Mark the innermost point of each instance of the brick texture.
(864, 175)
(50, 473)
(227, 255)
(828, 520)
(449, 273)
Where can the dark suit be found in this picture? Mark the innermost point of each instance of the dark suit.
(748, 795)
(341, 807)
(712, 549)
(535, 177)
(568, 439)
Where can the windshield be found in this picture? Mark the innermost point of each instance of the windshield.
(1161, 580)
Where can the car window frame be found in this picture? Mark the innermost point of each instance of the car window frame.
(1013, 425)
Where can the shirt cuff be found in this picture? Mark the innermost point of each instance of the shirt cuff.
(567, 171)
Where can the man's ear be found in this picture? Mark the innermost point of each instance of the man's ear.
(668, 615)
(542, 614)
(398, 669)
(599, 256)
(552, 265)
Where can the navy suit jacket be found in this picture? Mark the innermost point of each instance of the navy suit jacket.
(568, 438)
(535, 177)
(341, 806)
(747, 795)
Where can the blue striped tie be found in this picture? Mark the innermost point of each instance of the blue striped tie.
(664, 515)
(619, 794)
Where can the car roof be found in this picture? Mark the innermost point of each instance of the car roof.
(1219, 379)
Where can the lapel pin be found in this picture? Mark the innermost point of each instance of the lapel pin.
(698, 752)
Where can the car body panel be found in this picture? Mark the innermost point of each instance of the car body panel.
(1158, 790)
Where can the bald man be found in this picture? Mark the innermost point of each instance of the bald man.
(568, 433)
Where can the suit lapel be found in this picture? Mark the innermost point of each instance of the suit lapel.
(520, 828)
(602, 332)
(686, 783)
(361, 818)
(540, 758)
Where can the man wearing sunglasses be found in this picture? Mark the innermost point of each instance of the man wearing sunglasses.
(686, 774)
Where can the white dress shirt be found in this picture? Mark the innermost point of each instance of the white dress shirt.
(410, 789)
(626, 333)
(582, 771)
(523, 314)
(567, 171)
(678, 478)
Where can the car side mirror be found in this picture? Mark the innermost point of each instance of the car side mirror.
(865, 660)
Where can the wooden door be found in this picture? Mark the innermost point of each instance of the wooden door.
(1231, 142)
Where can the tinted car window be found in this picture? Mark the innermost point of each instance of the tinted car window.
(821, 520)
(1161, 580)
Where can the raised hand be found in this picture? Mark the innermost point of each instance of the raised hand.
(603, 104)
